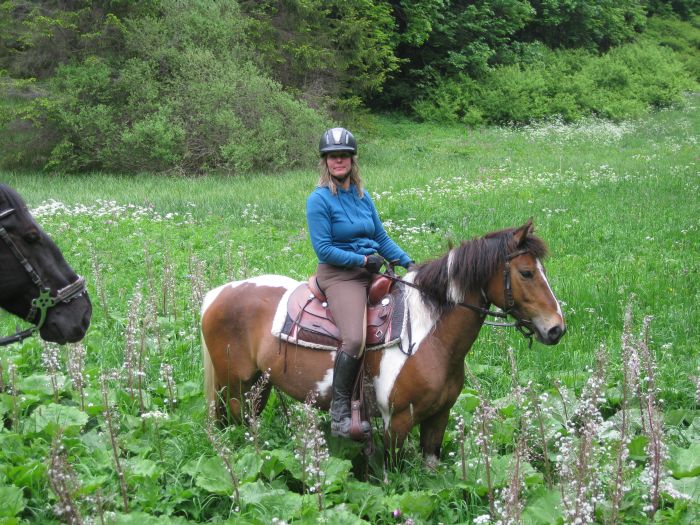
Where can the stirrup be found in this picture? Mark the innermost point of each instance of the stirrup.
(344, 429)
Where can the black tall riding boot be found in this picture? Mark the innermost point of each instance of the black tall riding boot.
(344, 373)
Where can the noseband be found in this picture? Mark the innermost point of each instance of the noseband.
(45, 300)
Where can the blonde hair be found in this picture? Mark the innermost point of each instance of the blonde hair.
(326, 180)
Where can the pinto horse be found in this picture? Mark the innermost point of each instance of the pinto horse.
(446, 298)
(36, 283)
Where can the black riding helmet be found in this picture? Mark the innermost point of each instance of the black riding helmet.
(337, 139)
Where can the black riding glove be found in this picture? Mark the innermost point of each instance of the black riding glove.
(374, 263)
(411, 267)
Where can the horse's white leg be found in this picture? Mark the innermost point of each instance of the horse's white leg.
(209, 378)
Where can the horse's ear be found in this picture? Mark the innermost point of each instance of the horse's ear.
(520, 235)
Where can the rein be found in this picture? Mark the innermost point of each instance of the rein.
(44, 301)
(521, 325)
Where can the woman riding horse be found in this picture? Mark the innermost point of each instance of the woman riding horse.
(416, 380)
(351, 244)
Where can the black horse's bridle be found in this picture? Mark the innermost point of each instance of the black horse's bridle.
(524, 326)
(45, 300)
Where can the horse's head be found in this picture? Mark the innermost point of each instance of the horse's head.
(521, 288)
(32, 263)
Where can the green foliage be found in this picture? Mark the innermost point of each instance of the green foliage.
(237, 87)
(583, 24)
(38, 36)
(187, 98)
(336, 52)
(685, 9)
(623, 83)
(473, 37)
(681, 37)
(11, 501)
(416, 19)
(467, 36)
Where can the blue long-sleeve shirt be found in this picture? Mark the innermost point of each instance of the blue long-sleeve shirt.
(344, 228)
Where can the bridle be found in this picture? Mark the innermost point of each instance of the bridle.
(45, 300)
(523, 326)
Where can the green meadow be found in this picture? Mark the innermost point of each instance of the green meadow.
(617, 204)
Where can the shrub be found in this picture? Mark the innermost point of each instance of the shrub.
(681, 37)
(631, 79)
(184, 97)
(624, 83)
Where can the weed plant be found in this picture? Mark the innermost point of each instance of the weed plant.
(116, 429)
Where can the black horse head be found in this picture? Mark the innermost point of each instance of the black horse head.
(33, 273)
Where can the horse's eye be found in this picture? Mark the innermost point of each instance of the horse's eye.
(32, 237)
(527, 274)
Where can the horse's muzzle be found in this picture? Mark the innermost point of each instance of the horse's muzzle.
(552, 335)
(68, 322)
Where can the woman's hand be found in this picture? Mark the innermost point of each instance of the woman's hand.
(374, 263)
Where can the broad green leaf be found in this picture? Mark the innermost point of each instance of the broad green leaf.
(141, 518)
(638, 448)
(266, 502)
(692, 433)
(416, 504)
(51, 418)
(560, 408)
(679, 416)
(247, 466)
(533, 478)
(5, 405)
(467, 401)
(614, 395)
(339, 516)
(275, 462)
(366, 500)
(144, 468)
(336, 473)
(189, 389)
(12, 447)
(632, 419)
(689, 487)
(11, 501)
(505, 406)
(138, 442)
(544, 508)
(504, 430)
(500, 473)
(212, 476)
(29, 472)
(41, 384)
(684, 462)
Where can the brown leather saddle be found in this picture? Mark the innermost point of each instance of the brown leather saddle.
(309, 321)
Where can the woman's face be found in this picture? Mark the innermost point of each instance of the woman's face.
(339, 163)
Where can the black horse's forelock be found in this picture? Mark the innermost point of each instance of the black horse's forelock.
(9, 198)
(4, 201)
(471, 265)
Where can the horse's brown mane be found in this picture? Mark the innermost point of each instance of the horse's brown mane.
(473, 264)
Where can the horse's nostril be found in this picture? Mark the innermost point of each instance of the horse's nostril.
(555, 333)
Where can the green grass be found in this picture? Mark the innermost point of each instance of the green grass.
(617, 205)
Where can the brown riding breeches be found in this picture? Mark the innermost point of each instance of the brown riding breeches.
(346, 291)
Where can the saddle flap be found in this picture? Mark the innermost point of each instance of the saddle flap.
(309, 320)
(378, 289)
